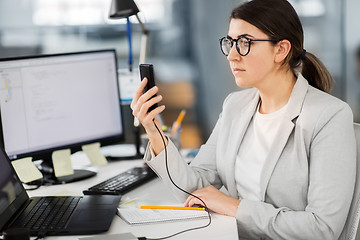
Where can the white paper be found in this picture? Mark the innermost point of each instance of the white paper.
(142, 216)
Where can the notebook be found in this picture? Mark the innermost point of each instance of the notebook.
(118, 236)
(73, 216)
(133, 215)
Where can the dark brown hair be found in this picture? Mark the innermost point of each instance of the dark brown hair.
(279, 20)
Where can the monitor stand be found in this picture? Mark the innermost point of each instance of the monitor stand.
(138, 154)
(49, 177)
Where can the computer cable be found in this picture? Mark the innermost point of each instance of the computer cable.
(41, 236)
(168, 172)
(39, 183)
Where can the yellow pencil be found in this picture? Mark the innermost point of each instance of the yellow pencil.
(177, 123)
(172, 208)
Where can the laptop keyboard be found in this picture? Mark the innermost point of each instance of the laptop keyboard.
(50, 213)
(122, 182)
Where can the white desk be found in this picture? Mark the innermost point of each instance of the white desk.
(151, 193)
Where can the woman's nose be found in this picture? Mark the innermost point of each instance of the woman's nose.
(233, 54)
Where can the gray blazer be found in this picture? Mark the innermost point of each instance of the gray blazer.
(308, 179)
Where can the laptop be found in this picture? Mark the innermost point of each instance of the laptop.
(44, 216)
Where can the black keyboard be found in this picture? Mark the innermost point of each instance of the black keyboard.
(122, 182)
(50, 213)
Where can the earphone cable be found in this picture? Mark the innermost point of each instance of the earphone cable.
(168, 172)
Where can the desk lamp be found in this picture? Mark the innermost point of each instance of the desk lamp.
(125, 9)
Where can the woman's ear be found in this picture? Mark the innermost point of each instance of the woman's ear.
(282, 49)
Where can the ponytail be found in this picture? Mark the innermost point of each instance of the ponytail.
(316, 73)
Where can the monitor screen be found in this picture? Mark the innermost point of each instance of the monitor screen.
(59, 101)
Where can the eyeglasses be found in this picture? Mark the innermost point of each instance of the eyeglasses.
(242, 44)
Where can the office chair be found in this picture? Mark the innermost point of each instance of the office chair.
(350, 231)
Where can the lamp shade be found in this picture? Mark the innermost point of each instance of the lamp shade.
(123, 9)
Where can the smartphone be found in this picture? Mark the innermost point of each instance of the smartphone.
(147, 70)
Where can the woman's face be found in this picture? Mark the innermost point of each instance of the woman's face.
(251, 70)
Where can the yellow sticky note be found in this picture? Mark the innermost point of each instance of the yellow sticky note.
(26, 170)
(94, 154)
(62, 163)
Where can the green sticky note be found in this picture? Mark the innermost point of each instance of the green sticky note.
(94, 154)
(26, 170)
(62, 163)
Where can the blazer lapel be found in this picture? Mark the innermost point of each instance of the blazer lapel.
(239, 126)
(274, 154)
(293, 110)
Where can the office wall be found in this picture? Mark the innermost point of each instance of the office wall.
(209, 22)
(352, 37)
(15, 13)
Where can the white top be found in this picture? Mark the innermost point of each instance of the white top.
(253, 152)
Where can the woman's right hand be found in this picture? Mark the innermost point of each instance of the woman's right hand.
(140, 106)
(142, 102)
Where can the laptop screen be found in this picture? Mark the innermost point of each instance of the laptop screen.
(10, 189)
(51, 102)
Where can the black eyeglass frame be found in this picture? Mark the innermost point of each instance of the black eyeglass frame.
(250, 40)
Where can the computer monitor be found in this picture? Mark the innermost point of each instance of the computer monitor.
(59, 101)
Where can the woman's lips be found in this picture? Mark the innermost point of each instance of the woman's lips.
(238, 70)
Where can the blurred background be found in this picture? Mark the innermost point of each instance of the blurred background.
(183, 46)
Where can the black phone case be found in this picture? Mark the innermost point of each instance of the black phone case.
(147, 70)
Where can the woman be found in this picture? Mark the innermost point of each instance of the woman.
(284, 149)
